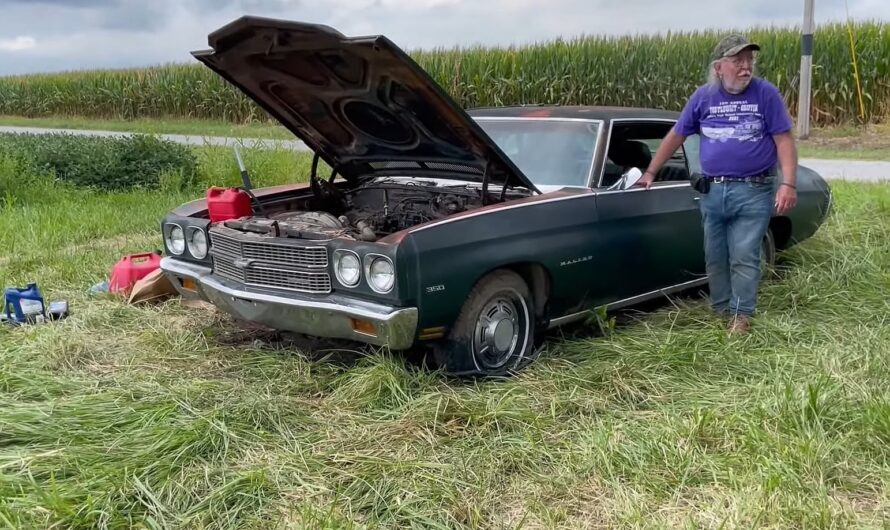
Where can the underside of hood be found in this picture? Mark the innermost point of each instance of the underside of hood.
(360, 103)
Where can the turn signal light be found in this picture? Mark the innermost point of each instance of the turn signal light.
(363, 326)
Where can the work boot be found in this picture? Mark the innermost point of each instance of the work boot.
(739, 325)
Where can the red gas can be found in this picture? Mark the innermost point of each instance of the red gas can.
(130, 269)
(228, 203)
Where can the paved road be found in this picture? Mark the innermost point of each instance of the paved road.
(859, 170)
(178, 138)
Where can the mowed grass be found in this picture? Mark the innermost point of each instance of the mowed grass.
(165, 416)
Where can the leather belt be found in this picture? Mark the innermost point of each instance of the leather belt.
(762, 178)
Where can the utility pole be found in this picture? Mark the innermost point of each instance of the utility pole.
(806, 71)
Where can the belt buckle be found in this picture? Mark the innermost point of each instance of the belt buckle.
(719, 180)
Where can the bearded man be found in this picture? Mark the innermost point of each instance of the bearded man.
(745, 131)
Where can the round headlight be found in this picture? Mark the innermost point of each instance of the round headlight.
(197, 243)
(381, 275)
(348, 268)
(176, 240)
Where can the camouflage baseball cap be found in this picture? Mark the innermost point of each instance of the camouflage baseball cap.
(732, 45)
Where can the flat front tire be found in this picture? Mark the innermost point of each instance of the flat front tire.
(494, 334)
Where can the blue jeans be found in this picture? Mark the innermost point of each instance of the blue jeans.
(735, 217)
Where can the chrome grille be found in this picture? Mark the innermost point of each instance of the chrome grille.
(277, 253)
(311, 282)
(268, 264)
(307, 282)
(227, 270)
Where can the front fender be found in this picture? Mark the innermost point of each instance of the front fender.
(449, 258)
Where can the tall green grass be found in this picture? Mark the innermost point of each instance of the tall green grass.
(650, 71)
(164, 416)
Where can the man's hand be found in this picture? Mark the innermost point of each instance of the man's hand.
(672, 141)
(786, 199)
(645, 181)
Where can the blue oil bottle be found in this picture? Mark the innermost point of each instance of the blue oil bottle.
(24, 306)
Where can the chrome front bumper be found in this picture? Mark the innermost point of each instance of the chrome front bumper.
(333, 317)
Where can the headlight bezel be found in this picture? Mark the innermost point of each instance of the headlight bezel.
(337, 258)
(369, 262)
(171, 223)
(168, 238)
(190, 234)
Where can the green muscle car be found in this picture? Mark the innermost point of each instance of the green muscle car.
(469, 231)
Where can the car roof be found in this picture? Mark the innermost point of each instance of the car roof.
(590, 112)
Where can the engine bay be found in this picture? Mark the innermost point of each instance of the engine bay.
(369, 211)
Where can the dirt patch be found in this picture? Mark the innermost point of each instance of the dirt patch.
(228, 331)
(866, 138)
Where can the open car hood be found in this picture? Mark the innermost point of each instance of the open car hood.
(360, 103)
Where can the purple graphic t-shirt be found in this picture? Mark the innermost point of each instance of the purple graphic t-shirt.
(736, 129)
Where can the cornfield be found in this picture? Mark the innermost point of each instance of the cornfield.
(651, 71)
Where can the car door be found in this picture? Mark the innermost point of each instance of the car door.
(650, 239)
(653, 238)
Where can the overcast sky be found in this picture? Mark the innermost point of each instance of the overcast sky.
(53, 35)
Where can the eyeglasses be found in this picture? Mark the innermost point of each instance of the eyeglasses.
(739, 61)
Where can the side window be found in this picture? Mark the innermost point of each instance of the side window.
(633, 144)
(676, 169)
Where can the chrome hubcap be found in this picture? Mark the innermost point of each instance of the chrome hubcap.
(503, 334)
(497, 332)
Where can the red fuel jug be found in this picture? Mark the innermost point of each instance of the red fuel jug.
(130, 269)
(227, 203)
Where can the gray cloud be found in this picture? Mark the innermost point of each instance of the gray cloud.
(64, 3)
(73, 34)
(246, 6)
(147, 16)
(64, 17)
(268, 5)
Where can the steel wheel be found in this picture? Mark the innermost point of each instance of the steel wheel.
(494, 334)
(500, 327)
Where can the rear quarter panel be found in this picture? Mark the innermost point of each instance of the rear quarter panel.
(813, 203)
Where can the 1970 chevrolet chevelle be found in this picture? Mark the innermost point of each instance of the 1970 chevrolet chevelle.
(472, 232)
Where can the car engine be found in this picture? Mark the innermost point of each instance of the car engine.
(367, 212)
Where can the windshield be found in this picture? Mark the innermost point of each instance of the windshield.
(549, 151)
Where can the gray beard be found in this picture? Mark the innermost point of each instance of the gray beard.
(736, 88)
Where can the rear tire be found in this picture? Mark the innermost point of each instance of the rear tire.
(494, 334)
